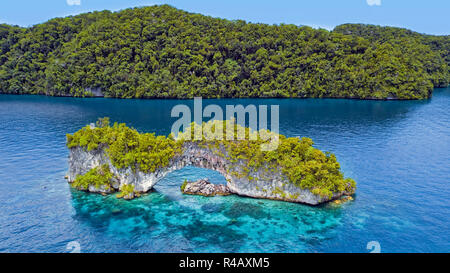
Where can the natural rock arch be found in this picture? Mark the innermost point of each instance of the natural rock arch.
(258, 184)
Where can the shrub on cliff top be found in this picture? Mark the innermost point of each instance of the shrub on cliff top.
(126, 147)
(305, 166)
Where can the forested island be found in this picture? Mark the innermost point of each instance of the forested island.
(163, 52)
(106, 159)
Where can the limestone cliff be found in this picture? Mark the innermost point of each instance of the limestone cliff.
(262, 183)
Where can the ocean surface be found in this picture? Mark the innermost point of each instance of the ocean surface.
(397, 151)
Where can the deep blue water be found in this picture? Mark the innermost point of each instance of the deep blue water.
(397, 151)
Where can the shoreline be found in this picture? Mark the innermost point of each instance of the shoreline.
(225, 98)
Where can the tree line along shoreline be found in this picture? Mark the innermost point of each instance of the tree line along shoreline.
(162, 52)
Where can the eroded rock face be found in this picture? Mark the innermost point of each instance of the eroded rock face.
(81, 161)
(205, 188)
(263, 183)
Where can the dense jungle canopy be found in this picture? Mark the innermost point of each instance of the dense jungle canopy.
(163, 52)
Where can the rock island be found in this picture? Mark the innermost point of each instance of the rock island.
(107, 159)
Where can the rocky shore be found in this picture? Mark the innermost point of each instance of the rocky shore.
(205, 188)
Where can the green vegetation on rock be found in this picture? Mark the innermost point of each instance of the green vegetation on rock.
(99, 177)
(125, 146)
(127, 192)
(183, 186)
(162, 52)
(304, 166)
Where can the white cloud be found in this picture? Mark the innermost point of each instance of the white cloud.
(374, 2)
(78, 2)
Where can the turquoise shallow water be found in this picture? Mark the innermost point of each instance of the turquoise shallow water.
(397, 151)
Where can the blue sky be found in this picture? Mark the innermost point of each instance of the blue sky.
(429, 16)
